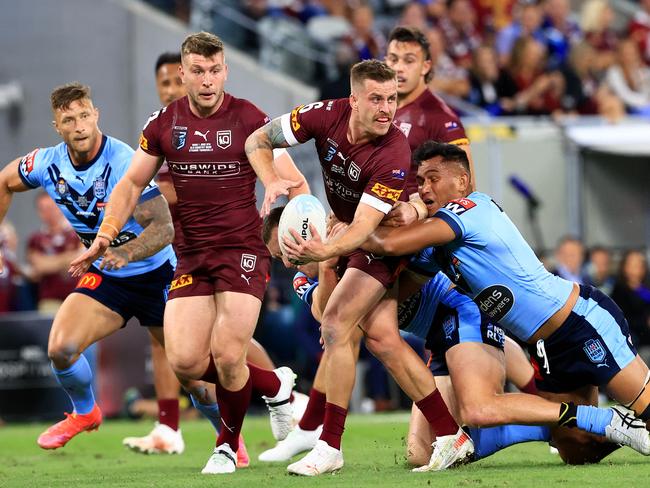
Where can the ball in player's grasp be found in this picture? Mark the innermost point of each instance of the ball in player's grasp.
(299, 213)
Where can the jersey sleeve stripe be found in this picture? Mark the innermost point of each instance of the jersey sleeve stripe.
(460, 142)
(451, 222)
(25, 180)
(278, 151)
(285, 120)
(376, 203)
(153, 193)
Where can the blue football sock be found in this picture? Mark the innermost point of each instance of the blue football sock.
(489, 440)
(77, 382)
(593, 419)
(210, 412)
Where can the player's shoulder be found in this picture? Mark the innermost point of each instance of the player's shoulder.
(395, 137)
(43, 156)
(432, 103)
(116, 149)
(475, 200)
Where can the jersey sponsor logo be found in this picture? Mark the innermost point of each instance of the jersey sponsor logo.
(354, 171)
(143, 142)
(181, 281)
(211, 168)
(179, 137)
(224, 138)
(331, 151)
(338, 169)
(123, 237)
(90, 281)
(405, 127)
(595, 351)
(330, 104)
(407, 310)
(300, 285)
(201, 134)
(460, 206)
(61, 186)
(99, 187)
(495, 335)
(27, 163)
(340, 190)
(295, 125)
(495, 301)
(383, 191)
(248, 262)
(449, 326)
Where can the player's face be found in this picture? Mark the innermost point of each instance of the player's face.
(408, 61)
(204, 79)
(77, 125)
(375, 104)
(438, 183)
(169, 83)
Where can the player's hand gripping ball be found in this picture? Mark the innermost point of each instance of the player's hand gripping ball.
(299, 213)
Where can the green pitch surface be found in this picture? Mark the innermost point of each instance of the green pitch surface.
(374, 456)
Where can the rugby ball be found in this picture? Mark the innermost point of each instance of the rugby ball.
(300, 212)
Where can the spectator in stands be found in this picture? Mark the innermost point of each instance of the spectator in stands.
(10, 274)
(569, 260)
(639, 30)
(629, 78)
(493, 15)
(561, 31)
(527, 23)
(49, 252)
(538, 92)
(632, 293)
(414, 15)
(490, 85)
(599, 269)
(596, 24)
(339, 87)
(459, 31)
(368, 41)
(447, 77)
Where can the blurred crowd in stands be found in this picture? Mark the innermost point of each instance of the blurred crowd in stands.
(507, 57)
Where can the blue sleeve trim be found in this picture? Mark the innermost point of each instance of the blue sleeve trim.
(153, 193)
(25, 180)
(451, 221)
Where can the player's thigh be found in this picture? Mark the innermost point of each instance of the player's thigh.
(380, 325)
(627, 387)
(80, 322)
(237, 315)
(519, 371)
(188, 328)
(477, 372)
(354, 296)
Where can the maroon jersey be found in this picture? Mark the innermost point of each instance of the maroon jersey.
(373, 173)
(428, 118)
(56, 286)
(214, 182)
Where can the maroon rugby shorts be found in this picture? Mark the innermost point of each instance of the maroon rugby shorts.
(384, 269)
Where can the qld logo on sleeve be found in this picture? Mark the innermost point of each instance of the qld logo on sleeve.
(248, 262)
(179, 137)
(460, 206)
(595, 351)
(495, 301)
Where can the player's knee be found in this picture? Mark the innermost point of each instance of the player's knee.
(185, 366)
(228, 360)
(62, 354)
(383, 348)
(477, 415)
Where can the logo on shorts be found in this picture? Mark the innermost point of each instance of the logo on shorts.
(495, 301)
(181, 281)
(495, 334)
(224, 138)
(179, 137)
(248, 262)
(90, 281)
(448, 326)
(595, 351)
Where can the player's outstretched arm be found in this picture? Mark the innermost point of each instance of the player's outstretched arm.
(259, 150)
(10, 183)
(390, 241)
(121, 205)
(158, 231)
(287, 170)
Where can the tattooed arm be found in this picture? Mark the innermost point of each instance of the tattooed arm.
(259, 150)
(153, 215)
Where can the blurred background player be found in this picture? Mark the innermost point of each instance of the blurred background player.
(49, 252)
(223, 266)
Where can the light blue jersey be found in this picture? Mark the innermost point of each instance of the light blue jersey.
(491, 261)
(415, 315)
(81, 192)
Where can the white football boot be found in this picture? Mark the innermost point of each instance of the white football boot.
(626, 429)
(222, 461)
(296, 442)
(449, 451)
(322, 459)
(161, 440)
(298, 406)
(279, 406)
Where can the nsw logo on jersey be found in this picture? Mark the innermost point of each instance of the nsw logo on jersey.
(460, 206)
(99, 187)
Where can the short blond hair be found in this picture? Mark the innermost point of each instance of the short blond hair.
(371, 69)
(202, 43)
(64, 95)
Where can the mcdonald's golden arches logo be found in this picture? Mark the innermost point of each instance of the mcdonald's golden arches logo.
(90, 281)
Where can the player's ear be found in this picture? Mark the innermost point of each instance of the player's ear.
(354, 103)
(426, 67)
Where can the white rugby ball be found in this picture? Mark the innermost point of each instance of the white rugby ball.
(299, 213)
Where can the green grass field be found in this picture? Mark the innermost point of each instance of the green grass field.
(373, 447)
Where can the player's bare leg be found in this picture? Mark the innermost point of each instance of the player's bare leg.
(80, 322)
(519, 371)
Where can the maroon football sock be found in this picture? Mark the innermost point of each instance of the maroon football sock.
(435, 410)
(333, 425)
(315, 411)
(232, 406)
(530, 387)
(210, 374)
(264, 381)
(168, 412)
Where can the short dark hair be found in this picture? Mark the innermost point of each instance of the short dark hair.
(371, 69)
(167, 58)
(64, 95)
(416, 36)
(271, 221)
(202, 43)
(450, 153)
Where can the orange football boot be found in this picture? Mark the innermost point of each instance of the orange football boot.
(242, 454)
(60, 433)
